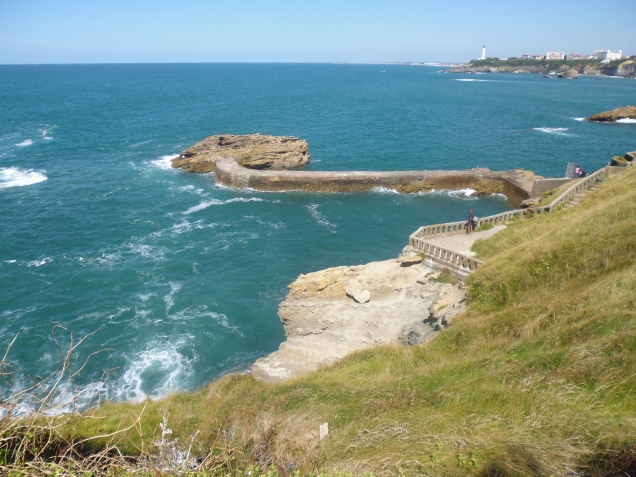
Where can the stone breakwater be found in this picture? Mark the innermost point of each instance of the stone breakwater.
(264, 163)
(334, 312)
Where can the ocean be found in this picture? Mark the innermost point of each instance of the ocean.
(179, 279)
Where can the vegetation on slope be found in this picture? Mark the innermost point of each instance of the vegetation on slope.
(538, 377)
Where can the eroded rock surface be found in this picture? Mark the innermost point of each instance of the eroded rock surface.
(625, 112)
(253, 151)
(334, 312)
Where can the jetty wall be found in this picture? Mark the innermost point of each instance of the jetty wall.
(516, 187)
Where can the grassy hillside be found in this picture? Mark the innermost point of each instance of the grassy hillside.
(538, 377)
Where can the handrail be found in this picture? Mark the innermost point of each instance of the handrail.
(418, 241)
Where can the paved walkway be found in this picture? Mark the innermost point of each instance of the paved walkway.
(462, 243)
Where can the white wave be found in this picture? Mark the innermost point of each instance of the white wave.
(203, 205)
(384, 190)
(148, 251)
(318, 217)
(465, 192)
(579, 119)
(10, 261)
(155, 372)
(164, 162)
(243, 199)
(626, 121)
(169, 298)
(472, 80)
(140, 144)
(145, 296)
(557, 131)
(39, 263)
(25, 143)
(45, 131)
(195, 312)
(14, 177)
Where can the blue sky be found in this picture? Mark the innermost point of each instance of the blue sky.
(107, 31)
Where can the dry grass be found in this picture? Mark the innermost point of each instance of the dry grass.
(538, 377)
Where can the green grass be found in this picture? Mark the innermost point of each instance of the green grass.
(538, 375)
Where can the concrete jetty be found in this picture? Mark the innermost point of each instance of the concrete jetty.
(265, 163)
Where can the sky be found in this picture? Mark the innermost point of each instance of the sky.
(143, 31)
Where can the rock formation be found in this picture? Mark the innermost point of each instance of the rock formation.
(625, 112)
(253, 151)
(627, 69)
(334, 312)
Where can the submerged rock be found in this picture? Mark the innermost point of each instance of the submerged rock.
(253, 151)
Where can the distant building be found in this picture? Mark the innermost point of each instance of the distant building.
(525, 56)
(538, 57)
(503, 59)
(555, 55)
(609, 55)
(576, 56)
(483, 53)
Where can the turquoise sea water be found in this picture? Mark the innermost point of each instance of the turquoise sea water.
(182, 278)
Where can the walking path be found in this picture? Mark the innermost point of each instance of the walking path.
(463, 243)
(448, 246)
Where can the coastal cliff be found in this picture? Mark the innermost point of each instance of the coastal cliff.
(332, 313)
(562, 68)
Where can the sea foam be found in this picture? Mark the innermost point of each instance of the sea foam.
(25, 143)
(164, 162)
(557, 131)
(161, 366)
(626, 121)
(14, 177)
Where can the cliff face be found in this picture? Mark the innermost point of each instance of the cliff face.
(626, 70)
(253, 151)
(334, 312)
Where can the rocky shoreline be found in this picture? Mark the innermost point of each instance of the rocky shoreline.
(332, 313)
(626, 69)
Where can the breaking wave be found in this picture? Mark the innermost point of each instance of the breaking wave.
(25, 143)
(557, 131)
(164, 162)
(14, 177)
(626, 121)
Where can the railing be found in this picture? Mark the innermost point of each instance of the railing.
(576, 189)
(418, 241)
(456, 259)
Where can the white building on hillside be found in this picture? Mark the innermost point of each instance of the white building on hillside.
(555, 55)
(610, 55)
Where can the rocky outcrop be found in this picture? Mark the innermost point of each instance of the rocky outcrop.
(252, 151)
(334, 312)
(625, 112)
(568, 73)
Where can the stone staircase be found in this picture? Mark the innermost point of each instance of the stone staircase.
(576, 200)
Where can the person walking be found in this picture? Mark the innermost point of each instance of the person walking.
(470, 223)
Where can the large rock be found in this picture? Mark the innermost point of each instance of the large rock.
(253, 151)
(625, 112)
(325, 317)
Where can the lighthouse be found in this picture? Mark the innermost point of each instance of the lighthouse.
(483, 53)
